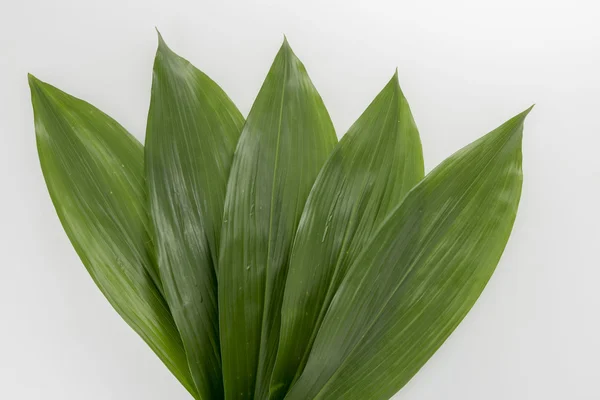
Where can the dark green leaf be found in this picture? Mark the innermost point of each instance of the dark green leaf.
(420, 274)
(192, 131)
(94, 170)
(286, 140)
(376, 163)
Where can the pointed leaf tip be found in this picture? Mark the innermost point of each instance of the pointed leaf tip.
(523, 114)
(162, 45)
(40, 89)
(511, 128)
(520, 118)
(394, 83)
(526, 112)
(31, 79)
(35, 83)
(286, 48)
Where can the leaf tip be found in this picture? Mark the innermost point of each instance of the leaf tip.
(513, 127)
(394, 83)
(285, 46)
(33, 81)
(522, 115)
(35, 85)
(162, 45)
(526, 112)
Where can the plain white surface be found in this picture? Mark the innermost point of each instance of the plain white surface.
(465, 67)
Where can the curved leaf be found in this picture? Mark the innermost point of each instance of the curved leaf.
(287, 138)
(192, 131)
(94, 171)
(375, 164)
(420, 274)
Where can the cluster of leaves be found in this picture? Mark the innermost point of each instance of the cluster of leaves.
(259, 258)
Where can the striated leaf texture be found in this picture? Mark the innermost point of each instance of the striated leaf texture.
(287, 138)
(419, 275)
(192, 131)
(370, 171)
(94, 171)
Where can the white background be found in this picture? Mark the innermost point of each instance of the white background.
(465, 67)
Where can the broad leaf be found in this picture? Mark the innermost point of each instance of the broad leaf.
(192, 131)
(94, 171)
(375, 164)
(419, 275)
(287, 138)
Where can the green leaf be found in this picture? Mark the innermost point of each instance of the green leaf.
(375, 164)
(287, 138)
(419, 275)
(94, 171)
(192, 131)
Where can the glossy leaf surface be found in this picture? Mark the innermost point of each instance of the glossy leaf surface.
(370, 171)
(192, 131)
(287, 138)
(94, 171)
(419, 275)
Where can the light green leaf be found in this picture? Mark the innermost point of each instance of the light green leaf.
(375, 164)
(94, 171)
(420, 274)
(286, 139)
(193, 128)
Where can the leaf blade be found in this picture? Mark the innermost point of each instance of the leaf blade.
(192, 131)
(94, 172)
(373, 167)
(286, 139)
(443, 242)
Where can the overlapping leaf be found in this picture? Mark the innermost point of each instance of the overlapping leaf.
(287, 138)
(419, 275)
(375, 164)
(192, 131)
(345, 297)
(94, 171)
